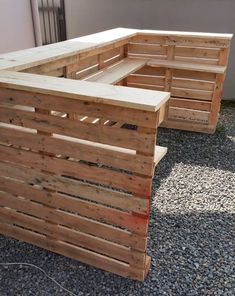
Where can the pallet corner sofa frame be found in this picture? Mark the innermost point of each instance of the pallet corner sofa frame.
(77, 157)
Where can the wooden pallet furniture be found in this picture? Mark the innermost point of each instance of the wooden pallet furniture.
(78, 188)
(78, 128)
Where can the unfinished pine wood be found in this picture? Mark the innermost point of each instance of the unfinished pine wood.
(187, 66)
(77, 157)
(113, 75)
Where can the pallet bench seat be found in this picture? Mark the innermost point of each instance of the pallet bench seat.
(78, 131)
(187, 66)
(116, 73)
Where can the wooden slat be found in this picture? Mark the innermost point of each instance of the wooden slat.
(73, 252)
(82, 208)
(69, 235)
(66, 105)
(193, 84)
(77, 129)
(188, 115)
(116, 73)
(187, 66)
(210, 53)
(84, 90)
(190, 104)
(147, 49)
(115, 158)
(191, 93)
(154, 80)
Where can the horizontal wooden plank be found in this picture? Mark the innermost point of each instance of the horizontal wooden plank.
(191, 93)
(155, 80)
(66, 105)
(67, 219)
(146, 86)
(113, 158)
(210, 53)
(84, 90)
(99, 175)
(147, 49)
(193, 84)
(71, 251)
(189, 126)
(118, 72)
(187, 66)
(83, 208)
(82, 130)
(173, 39)
(151, 71)
(193, 75)
(190, 104)
(72, 236)
(188, 115)
(109, 54)
(193, 60)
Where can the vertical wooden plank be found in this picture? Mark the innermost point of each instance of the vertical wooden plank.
(218, 89)
(169, 74)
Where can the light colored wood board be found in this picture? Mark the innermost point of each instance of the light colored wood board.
(191, 93)
(171, 38)
(189, 126)
(162, 112)
(83, 209)
(190, 104)
(207, 53)
(83, 90)
(78, 129)
(188, 115)
(140, 79)
(159, 33)
(14, 187)
(86, 72)
(187, 66)
(83, 64)
(125, 202)
(69, 186)
(68, 250)
(193, 84)
(194, 75)
(113, 158)
(147, 49)
(216, 99)
(112, 61)
(69, 220)
(52, 66)
(147, 86)
(65, 105)
(111, 53)
(119, 71)
(83, 46)
(194, 60)
(160, 152)
(72, 236)
(151, 71)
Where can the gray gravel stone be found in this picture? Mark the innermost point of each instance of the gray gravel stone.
(191, 229)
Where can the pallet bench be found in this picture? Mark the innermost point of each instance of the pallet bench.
(78, 130)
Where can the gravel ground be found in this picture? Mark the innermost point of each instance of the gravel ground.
(192, 234)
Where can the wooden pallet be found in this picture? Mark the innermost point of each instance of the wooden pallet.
(191, 66)
(76, 187)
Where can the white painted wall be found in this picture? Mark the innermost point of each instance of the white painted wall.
(218, 16)
(16, 25)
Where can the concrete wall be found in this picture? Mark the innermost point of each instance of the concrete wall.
(16, 25)
(217, 16)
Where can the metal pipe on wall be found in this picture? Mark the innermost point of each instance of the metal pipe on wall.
(36, 22)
